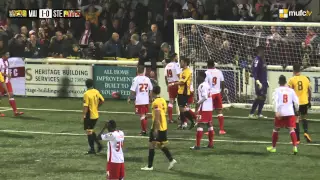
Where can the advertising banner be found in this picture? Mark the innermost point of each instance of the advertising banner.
(109, 79)
(17, 73)
(56, 80)
(314, 77)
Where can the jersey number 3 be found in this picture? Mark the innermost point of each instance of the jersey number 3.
(143, 87)
(119, 146)
(285, 98)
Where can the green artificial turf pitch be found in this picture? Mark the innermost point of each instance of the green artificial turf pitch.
(48, 143)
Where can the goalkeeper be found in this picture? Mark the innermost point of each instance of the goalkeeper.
(259, 72)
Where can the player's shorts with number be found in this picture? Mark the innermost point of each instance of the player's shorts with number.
(173, 91)
(285, 122)
(115, 171)
(204, 117)
(217, 101)
(190, 99)
(142, 109)
(9, 88)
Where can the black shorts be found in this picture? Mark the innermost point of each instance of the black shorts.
(162, 136)
(303, 109)
(182, 100)
(89, 123)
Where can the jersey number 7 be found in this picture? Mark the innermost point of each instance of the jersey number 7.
(143, 87)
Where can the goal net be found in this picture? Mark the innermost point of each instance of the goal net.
(232, 45)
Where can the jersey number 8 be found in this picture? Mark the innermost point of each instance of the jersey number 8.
(285, 98)
(214, 80)
(169, 73)
(143, 87)
(300, 86)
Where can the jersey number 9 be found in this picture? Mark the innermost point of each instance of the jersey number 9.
(143, 87)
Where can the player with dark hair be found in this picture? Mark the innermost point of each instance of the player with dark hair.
(215, 78)
(184, 91)
(115, 166)
(140, 91)
(204, 108)
(284, 99)
(92, 99)
(259, 72)
(301, 85)
(158, 133)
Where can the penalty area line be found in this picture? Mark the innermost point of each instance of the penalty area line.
(145, 137)
(114, 112)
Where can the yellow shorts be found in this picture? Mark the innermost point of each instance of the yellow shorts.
(1, 78)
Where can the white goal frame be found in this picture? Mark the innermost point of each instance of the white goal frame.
(267, 107)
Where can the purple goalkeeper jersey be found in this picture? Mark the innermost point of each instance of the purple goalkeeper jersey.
(259, 70)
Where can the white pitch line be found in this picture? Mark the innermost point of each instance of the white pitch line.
(113, 112)
(144, 137)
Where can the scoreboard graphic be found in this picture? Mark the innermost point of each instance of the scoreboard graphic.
(44, 13)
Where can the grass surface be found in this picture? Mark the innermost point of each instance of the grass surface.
(30, 156)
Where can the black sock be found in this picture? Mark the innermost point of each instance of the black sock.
(91, 142)
(189, 116)
(96, 139)
(150, 158)
(305, 125)
(182, 117)
(166, 151)
(297, 130)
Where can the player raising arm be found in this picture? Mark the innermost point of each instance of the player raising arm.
(184, 91)
(172, 73)
(284, 99)
(115, 138)
(259, 72)
(4, 68)
(301, 85)
(204, 107)
(92, 99)
(158, 133)
(140, 91)
(215, 79)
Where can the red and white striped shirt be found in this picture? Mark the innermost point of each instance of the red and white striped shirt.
(4, 68)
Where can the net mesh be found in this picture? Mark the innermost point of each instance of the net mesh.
(233, 48)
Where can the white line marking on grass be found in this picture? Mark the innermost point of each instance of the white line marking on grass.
(144, 137)
(113, 112)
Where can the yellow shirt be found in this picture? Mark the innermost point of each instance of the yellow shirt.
(160, 104)
(1, 78)
(186, 78)
(92, 17)
(91, 99)
(300, 84)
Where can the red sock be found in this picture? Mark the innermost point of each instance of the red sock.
(221, 121)
(293, 137)
(170, 109)
(143, 123)
(13, 104)
(199, 136)
(210, 135)
(274, 138)
(194, 116)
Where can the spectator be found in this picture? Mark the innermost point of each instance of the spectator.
(113, 47)
(103, 31)
(245, 15)
(235, 14)
(311, 35)
(94, 51)
(164, 55)
(86, 35)
(24, 30)
(33, 48)
(135, 47)
(131, 18)
(149, 23)
(68, 46)
(93, 13)
(17, 46)
(56, 47)
(275, 6)
(76, 52)
(144, 39)
(126, 39)
(155, 39)
(115, 28)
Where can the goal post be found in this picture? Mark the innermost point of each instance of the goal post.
(232, 45)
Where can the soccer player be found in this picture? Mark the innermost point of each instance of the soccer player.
(115, 138)
(301, 85)
(172, 73)
(259, 72)
(140, 90)
(215, 79)
(158, 133)
(92, 99)
(184, 91)
(284, 101)
(204, 107)
(4, 68)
